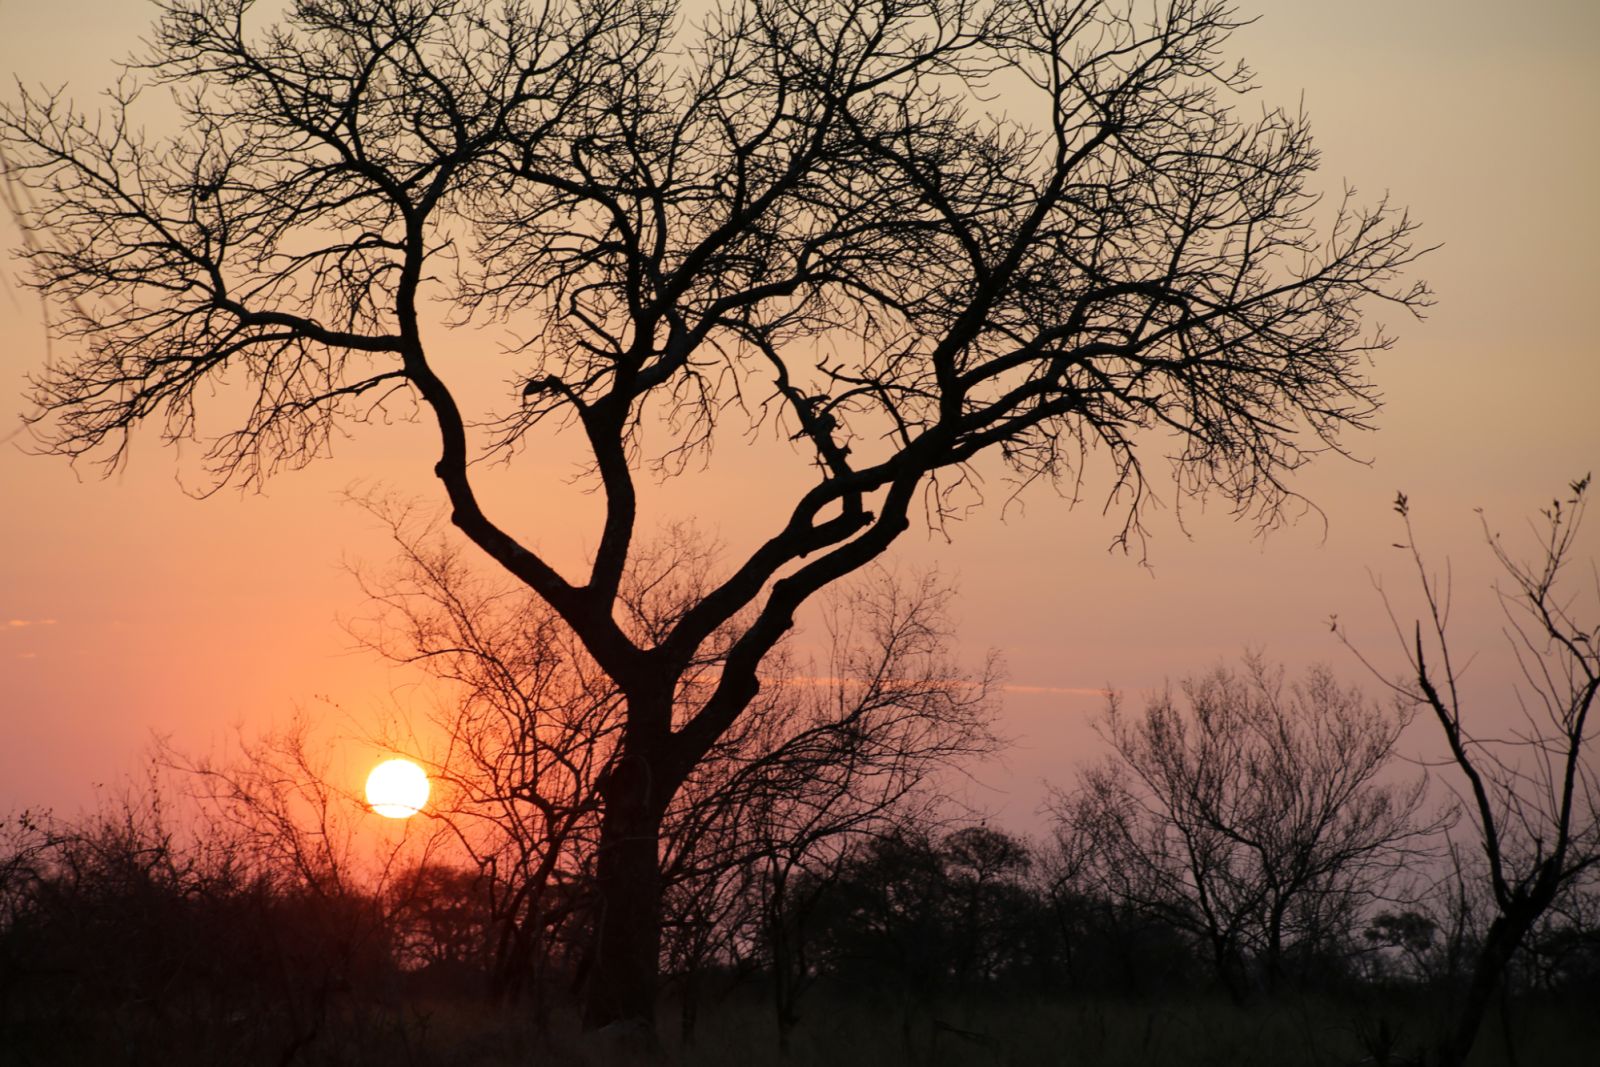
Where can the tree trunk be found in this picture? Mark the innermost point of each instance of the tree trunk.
(627, 945)
(689, 1008)
(787, 1021)
(781, 1007)
(1505, 934)
(1274, 960)
(1230, 970)
(786, 984)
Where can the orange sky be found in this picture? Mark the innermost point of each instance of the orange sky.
(127, 607)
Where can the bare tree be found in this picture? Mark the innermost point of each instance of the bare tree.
(523, 731)
(1430, 937)
(987, 868)
(1532, 791)
(520, 729)
(791, 210)
(1248, 814)
(852, 747)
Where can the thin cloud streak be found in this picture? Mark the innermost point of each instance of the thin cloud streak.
(1062, 690)
(824, 681)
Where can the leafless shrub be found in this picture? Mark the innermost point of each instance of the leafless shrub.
(1251, 814)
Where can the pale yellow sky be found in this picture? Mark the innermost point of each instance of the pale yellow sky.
(150, 611)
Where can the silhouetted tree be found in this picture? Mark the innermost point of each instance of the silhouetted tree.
(1533, 792)
(851, 746)
(1564, 948)
(886, 925)
(523, 727)
(986, 868)
(789, 211)
(526, 726)
(440, 917)
(1248, 814)
(1412, 934)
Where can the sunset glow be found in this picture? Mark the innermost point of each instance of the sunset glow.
(1062, 517)
(397, 789)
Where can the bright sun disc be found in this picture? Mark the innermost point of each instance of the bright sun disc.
(397, 789)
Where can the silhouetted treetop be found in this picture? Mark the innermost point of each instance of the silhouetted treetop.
(812, 210)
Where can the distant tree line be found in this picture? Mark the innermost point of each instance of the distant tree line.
(113, 929)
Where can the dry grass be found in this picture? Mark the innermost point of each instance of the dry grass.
(840, 1030)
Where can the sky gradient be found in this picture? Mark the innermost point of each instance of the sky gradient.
(129, 608)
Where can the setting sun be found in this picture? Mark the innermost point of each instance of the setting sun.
(397, 789)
